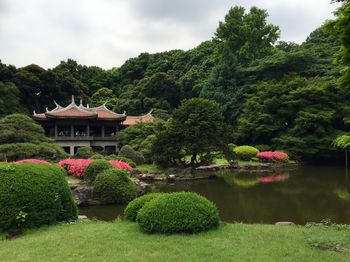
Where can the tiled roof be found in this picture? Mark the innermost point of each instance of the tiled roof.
(72, 111)
(132, 120)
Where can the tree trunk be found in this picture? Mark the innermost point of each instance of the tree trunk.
(346, 158)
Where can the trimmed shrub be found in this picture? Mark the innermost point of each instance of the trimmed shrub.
(129, 152)
(84, 152)
(94, 168)
(97, 156)
(232, 146)
(245, 152)
(181, 212)
(114, 186)
(130, 212)
(32, 195)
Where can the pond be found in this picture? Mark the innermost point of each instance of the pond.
(308, 194)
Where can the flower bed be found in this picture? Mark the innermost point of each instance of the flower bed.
(120, 164)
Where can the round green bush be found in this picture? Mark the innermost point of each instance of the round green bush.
(84, 152)
(128, 152)
(245, 152)
(130, 212)
(263, 148)
(185, 212)
(97, 156)
(114, 186)
(33, 194)
(94, 168)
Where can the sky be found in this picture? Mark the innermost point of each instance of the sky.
(108, 32)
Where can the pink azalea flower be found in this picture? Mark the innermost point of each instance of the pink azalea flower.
(32, 160)
(120, 164)
(75, 167)
(273, 156)
(271, 179)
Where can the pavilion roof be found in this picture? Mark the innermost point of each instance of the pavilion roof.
(132, 120)
(73, 111)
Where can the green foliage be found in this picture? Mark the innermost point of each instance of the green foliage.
(102, 96)
(181, 212)
(263, 148)
(18, 128)
(121, 158)
(245, 152)
(341, 27)
(132, 209)
(94, 168)
(342, 142)
(97, 156)
(84, 152)
(114, 186)
(128, 152)
(196, 128)
(9, 99)
(32, 195)
(18, 151)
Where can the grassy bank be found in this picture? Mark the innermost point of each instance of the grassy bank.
(122, 241)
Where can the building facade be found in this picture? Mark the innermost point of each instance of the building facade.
(76, 126)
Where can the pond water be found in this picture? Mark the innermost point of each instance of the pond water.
(308, 194)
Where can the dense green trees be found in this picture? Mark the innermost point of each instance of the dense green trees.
(196, 129)
(278, 93)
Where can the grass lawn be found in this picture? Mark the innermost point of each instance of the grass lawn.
(123, 241)
(72, 180)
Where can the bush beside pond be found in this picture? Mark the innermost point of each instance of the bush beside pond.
(94, 168)
(33, 194)
(132, 209)
(245, 152)
(181, 212)
(114, 186)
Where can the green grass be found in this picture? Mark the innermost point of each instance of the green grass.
(72, 181)
(150, 168)
(123, 241)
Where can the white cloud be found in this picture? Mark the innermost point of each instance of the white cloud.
(107, 32)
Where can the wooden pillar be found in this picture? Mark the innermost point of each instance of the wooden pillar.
(55, 130)
(71, 131)
(103, 131)
(88, 130)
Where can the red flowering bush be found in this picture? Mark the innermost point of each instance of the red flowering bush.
(273, 156)
(75, 167)
(120, 164)
(32, 160)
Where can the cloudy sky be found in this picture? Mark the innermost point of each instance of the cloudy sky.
(107, 32)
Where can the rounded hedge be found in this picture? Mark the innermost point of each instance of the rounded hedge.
(94, 168)
(114, 186)
(245, 152)
(130, 212)
(33, 194)
(128, 152)
(181, 212)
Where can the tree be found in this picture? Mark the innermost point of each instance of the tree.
(243, 38)
(341, 27)
(343, 142)
(248, 35)
(102, 96)
(9, 99)
(195, 129)
(21, 137)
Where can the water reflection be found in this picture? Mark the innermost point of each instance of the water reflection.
(304, 195)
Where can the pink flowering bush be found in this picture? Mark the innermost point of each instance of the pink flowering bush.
(273, 156)
(271, 179)
(32, 160)
(75, 167)
(120, 164)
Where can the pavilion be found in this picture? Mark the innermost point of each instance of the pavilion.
(77, 126)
